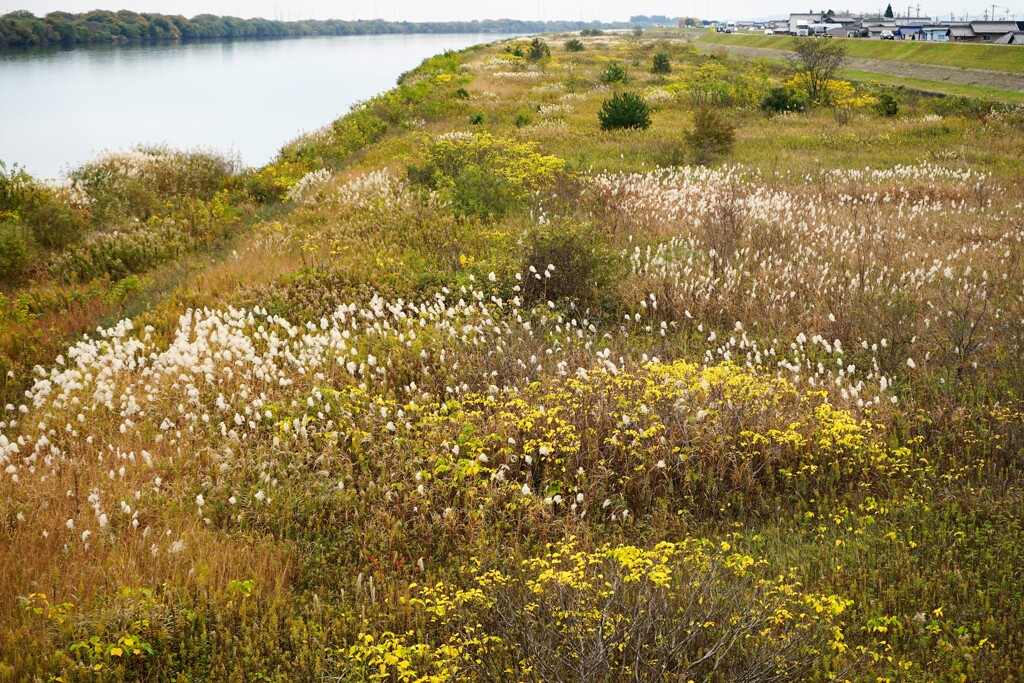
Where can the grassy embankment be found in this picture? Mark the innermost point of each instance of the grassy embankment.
(960, 55)
(942, 57)
(938, 87)
(489, 397)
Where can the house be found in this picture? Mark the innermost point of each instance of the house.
(1015, 38)
(843, 32)
(991, 31)
(875, 30)
(909, 33)
(913, 21)
(961, 33)
(823, 28)
(799, 22)
(935, 34)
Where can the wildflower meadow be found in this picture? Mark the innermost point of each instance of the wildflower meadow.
(468, 386)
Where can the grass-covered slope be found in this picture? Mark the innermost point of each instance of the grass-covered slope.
(960, 55)
(465, 388)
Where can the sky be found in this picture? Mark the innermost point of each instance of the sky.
(447, 10)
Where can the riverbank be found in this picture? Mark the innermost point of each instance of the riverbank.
(967, 56)
(486, 390)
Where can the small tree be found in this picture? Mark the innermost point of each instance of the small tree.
(887, 105)
(712, 136)
(615, 73)
(888, 12)
(817, 61)
(661, 64)
(538, 50)
(574, 45)
(624, 110)
(638, 31)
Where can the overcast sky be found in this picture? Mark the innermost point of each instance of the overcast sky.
(441, 10)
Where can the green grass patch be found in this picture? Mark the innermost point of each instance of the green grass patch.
(991, 57)
(978, 91)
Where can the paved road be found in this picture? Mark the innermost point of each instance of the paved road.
(930, 72)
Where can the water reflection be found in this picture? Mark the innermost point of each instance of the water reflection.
(58, 107)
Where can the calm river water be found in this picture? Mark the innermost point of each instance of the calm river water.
(59, 108)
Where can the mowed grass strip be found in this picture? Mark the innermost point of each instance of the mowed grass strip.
(992, 57)
(956, 89)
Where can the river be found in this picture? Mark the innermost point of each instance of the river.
(59, 108)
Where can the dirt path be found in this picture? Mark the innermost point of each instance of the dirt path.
(940, 74)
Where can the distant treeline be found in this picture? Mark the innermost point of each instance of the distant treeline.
(662, 20)
(24, 29)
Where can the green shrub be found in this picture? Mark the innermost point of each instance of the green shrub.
(44, 211)
(538, 50)
(270, 183)
(140, 182)
(14, 254)
(887, 105)
(190, 226)
(15, 188)
(712, 136)
(523, 119)
(461, 94)
(638, 31)
(478, 192)
(481, 175)
(782, 99)
(624, 110)
(615, 73)
(591, 32)
(563, 260)
(574, 45)
(55, 225)
(476, 118)
(661, 64)
(967, 107)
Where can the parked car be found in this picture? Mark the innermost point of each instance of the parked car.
(887, 35)
(769, 32)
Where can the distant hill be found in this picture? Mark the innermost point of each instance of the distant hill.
(24, 29)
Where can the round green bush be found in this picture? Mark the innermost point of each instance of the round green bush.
(782, 99)
(624, 110)
(887, 105)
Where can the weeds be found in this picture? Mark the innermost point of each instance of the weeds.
(533, 405)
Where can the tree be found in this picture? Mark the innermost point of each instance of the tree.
(817, 62)
(888, 12)
(624, 110)
(712, 136)
(538, 50)
(661, 64)
(615, 73)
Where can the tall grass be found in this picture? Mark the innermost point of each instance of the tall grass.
(755, 421)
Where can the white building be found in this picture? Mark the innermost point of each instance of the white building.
(802, 21)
